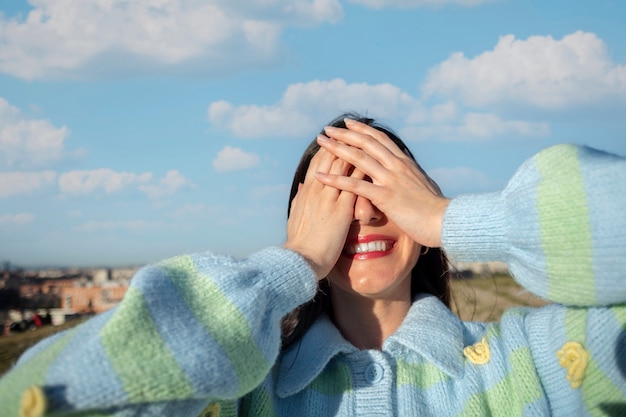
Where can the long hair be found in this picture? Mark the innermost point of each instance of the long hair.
(429, 275)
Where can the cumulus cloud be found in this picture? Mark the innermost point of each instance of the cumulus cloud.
(25, 141)
(17, 219)
(82, 182)
(473, 127)
(304, 105)
(540, 71)
(168, 185)
(234, 159)
(16, 183)
(107, 180)
(379, 4)
(66, 38)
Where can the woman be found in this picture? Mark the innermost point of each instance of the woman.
(368, 224)
(200, 334)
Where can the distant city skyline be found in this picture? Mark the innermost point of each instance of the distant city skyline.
(137, 132)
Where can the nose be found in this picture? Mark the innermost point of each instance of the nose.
(365, 212)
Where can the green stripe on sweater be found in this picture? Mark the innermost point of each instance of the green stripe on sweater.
(511, 395)
(527, 383)
(141, 359)
(619, 312)
(420, 375)
(596, 384)
(566, 240)
(222, 319)
(575, 322)
(334, 380)
(91, 413)
(32, 372)
(258, 404)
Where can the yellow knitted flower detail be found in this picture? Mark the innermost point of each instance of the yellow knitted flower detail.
(212, 410)
(33, 402)
(574, 358)
(479, 353)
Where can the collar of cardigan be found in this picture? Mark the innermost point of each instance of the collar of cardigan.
(430, 330)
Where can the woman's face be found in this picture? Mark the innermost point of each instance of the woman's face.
(377, 258)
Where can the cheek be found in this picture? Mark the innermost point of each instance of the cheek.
(410, 253)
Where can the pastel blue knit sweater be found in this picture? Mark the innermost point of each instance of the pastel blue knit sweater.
(199, 335)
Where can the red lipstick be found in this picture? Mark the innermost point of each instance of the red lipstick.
(367, 247)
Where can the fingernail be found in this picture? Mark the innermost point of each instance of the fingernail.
(322, 138)
(330, 129)
(349, 121)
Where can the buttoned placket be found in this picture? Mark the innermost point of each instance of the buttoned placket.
(372, 376)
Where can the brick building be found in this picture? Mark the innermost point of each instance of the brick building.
(79, 300)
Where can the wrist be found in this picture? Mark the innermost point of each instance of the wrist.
(437, 227)
(317, 270)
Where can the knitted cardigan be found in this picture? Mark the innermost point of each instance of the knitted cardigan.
(198, 335)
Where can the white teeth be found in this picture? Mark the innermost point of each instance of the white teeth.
(377, 246)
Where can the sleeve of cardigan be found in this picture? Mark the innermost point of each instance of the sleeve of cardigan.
(560, 225)
(189, 330)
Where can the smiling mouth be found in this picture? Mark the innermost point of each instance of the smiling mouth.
(368, 247)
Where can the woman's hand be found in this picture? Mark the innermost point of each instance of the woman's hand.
(320, 215)
(398, 187)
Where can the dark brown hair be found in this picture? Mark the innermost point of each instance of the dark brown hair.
(429, 275)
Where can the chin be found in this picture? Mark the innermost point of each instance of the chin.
(371, 282)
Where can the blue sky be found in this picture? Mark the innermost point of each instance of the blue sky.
(132, 131)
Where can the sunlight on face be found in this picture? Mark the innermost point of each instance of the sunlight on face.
(377, 258)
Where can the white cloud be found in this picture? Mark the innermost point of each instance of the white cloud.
(234, 159)
(17, 219)
(172, 182)
(540, 71)
(304, 105)
(15, 183)
(88, 181)
(106, 180)
(472, 127)
(379, 4)
(95, 37)
(485, 126)
(25, 141)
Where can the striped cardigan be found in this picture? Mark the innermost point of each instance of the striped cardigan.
(199, 335)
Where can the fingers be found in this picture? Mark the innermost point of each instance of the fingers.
(364, 147)
(321, 162)
(353, 185)
(380, 136)
(321, 216)
(371, 140)
(357, 157)
(324, 163)
(354, 177)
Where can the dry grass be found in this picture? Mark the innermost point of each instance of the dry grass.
(13, 345)
(477, 299)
